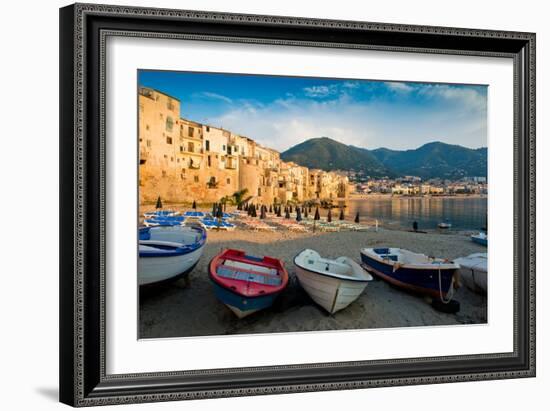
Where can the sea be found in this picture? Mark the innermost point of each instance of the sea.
(464, 213)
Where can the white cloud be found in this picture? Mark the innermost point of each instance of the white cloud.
(216, 96)
(399, 87)
(321, 91)
(468, 97)
(288, 121)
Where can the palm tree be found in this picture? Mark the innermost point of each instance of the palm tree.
(239, 196)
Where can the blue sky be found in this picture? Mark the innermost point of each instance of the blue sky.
(280, 112)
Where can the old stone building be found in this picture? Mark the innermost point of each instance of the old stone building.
(183, 161)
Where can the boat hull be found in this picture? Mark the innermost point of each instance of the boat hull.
(333, 294)
(160, 269)
(473, 272)
(240, 305)
(479, 240)
(418, 280)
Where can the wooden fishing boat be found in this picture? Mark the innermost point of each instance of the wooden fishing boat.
(245, 283)
(419, 273)
(168, 252)
(333, 284)
(473, 272)
(480, 238)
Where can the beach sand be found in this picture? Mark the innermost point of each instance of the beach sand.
(183, 309)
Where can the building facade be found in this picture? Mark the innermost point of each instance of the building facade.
(183, 161)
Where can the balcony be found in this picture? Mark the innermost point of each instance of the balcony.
(192, 153)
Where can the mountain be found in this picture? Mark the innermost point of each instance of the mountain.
(327, 154)
(432, 160)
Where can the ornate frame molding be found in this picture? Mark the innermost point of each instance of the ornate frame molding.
(82, 334)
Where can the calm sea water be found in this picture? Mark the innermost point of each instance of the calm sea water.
(464, 213)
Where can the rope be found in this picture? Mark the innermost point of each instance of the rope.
(451, 289)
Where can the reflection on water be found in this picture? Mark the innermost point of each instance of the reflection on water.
(464, 213)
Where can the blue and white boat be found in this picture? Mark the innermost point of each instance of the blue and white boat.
(168, 253)
(411, 271)
(480, 238)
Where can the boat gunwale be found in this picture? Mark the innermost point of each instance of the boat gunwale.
(276, 290)
(331, 275)
(414, 266)
(176, 251)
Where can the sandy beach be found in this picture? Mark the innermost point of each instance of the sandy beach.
(190, 308)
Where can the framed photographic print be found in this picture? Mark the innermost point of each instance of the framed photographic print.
(260, 204)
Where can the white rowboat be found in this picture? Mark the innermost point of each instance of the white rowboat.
(473, 272)
(333, 284)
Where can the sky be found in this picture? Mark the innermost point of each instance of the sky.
(280, 112)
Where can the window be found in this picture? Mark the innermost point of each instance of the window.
(196, 179)
(223, 147)
(172, 159)
(148, 142)
(229, 150)
(170, 105)
(191, 147)
(228, 181)
(209, 161)
(259, 191)
(146, 126)
(168, 140)
(207, 145)
(207, 129)
(163, 173)
(165, 156)
(169, 123)
(181, 149)
(190, 132)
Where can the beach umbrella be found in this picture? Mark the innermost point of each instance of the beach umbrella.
(298, 215)
(287, 213)
(357, 217)
(291, 210)
(270, 209)
(159, 203)
(329, 216)
(194, 206)
(316, 217)
(279, 211)
(262, 214)
(341, 214)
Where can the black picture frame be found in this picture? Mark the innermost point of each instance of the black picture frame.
(83, 30)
